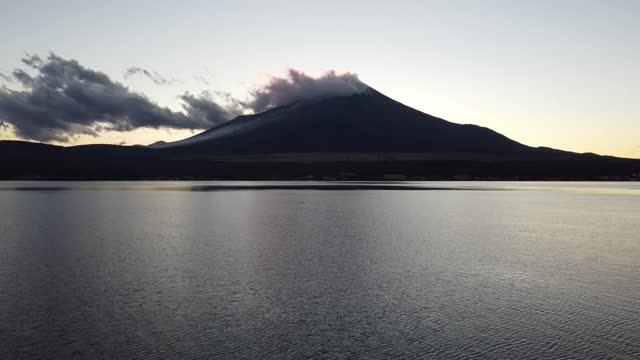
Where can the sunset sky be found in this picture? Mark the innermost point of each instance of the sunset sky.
(563, 74)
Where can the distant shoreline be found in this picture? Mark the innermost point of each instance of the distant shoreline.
(33, 161)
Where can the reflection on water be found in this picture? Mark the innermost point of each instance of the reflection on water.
(629, 188)
(178, 270)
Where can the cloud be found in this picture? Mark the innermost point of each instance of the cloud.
(33, 61)
(6, 78)
(64, 99)
(297, 86)
(205, 109)
(57, 99)
(152, 75)
(202, 80)
(22, 77)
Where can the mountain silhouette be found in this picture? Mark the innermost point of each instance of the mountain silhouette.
(366, 135)
(368, 122)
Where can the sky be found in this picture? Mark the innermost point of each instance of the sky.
(563, 74)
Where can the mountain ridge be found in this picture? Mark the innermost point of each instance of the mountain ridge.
(363, 122)
(367, 135)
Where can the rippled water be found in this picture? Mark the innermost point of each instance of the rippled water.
(319, 270)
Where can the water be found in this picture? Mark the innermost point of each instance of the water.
(267, 270)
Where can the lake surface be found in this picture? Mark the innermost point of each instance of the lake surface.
(201, 270)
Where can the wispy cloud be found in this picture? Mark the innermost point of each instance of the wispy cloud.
(6, 78)
(152, 75)
(202, 80)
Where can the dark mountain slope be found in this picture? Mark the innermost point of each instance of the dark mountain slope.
(360, 123)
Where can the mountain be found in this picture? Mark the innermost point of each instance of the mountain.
(366, 122)
(361, 136)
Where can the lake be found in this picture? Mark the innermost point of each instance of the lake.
(249, 270)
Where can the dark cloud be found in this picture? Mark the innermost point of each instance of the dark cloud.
(298, 86)
(25, 79)
(64, 99)
(33, 61)
(59, 99)
(152, 75)
(205, 109)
